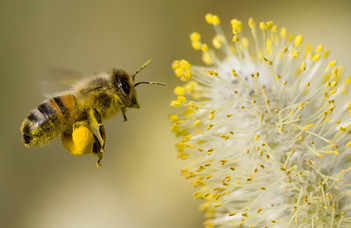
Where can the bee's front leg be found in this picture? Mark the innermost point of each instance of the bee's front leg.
(124, 111)
(96, 116)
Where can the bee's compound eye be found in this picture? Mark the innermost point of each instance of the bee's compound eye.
(125, 86)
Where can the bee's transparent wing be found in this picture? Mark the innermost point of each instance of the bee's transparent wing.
(59, 81)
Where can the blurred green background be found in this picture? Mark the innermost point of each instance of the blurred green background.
(139, 184)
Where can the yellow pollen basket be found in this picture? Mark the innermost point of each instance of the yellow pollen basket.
(80, 142)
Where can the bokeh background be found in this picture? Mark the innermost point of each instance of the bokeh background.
(139, 184)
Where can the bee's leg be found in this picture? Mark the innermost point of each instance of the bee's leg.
(97, 150)
(124, 111)
(101, 129)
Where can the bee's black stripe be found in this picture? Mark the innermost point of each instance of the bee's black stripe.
(47, 110)
(60, 104)
(33, 116)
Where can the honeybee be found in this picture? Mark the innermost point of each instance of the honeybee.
(75, 114)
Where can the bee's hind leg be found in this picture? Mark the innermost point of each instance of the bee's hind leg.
(101, 129)
(97, 151)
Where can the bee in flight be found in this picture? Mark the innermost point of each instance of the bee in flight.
(75, 114)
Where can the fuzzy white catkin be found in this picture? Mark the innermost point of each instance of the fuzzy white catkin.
(265, 132)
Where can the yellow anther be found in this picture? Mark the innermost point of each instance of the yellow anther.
(208, 18)
(178, 72)
(204, 47)
(257, 137)
(303, 66)
(298, 40)
(316, 57)
(251, 23)
(262, 26)
(294, 53)
(179, 90)
(269, 24)
(319, 48)
(278, 76)
(326, 54)
(197, 123)
(175, 104)
(290, 37)
(217, 42)
(196, 45)
(333, 91)
(209, 126)
(274, 28)
(234, 73)
(235, 38)
(195, 36)
(173, 117)
(175, 64)
(184, 64)
(237, 25)
(181, 99)
(307, 84)
(332, 63)
(333, 83)
(348, 144)
(283, 32)
(187, 75)
(215, 20)
(269, 62)
(207, 58)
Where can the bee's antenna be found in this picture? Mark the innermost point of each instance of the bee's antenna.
(151, 83)
(142, 67)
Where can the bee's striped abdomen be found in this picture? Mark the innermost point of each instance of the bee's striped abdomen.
(47, 121)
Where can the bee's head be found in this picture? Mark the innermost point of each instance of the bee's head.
(124, 88)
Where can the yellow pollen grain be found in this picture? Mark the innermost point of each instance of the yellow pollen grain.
(251, 23)
(209, 126)
(207, 58)
(283, 32)
(298, 40)
(208, 18)
(217, 42)
(262, 25)
(196, 45)
(269, 24)
(319, 48)
(236, 24)
(295, 53)
(326, 54)
(185, 64)
(173, 117)
(197, 123)
(316, 57)
(179, 90)
(195, 36)
(204, 48)
(215, 20)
